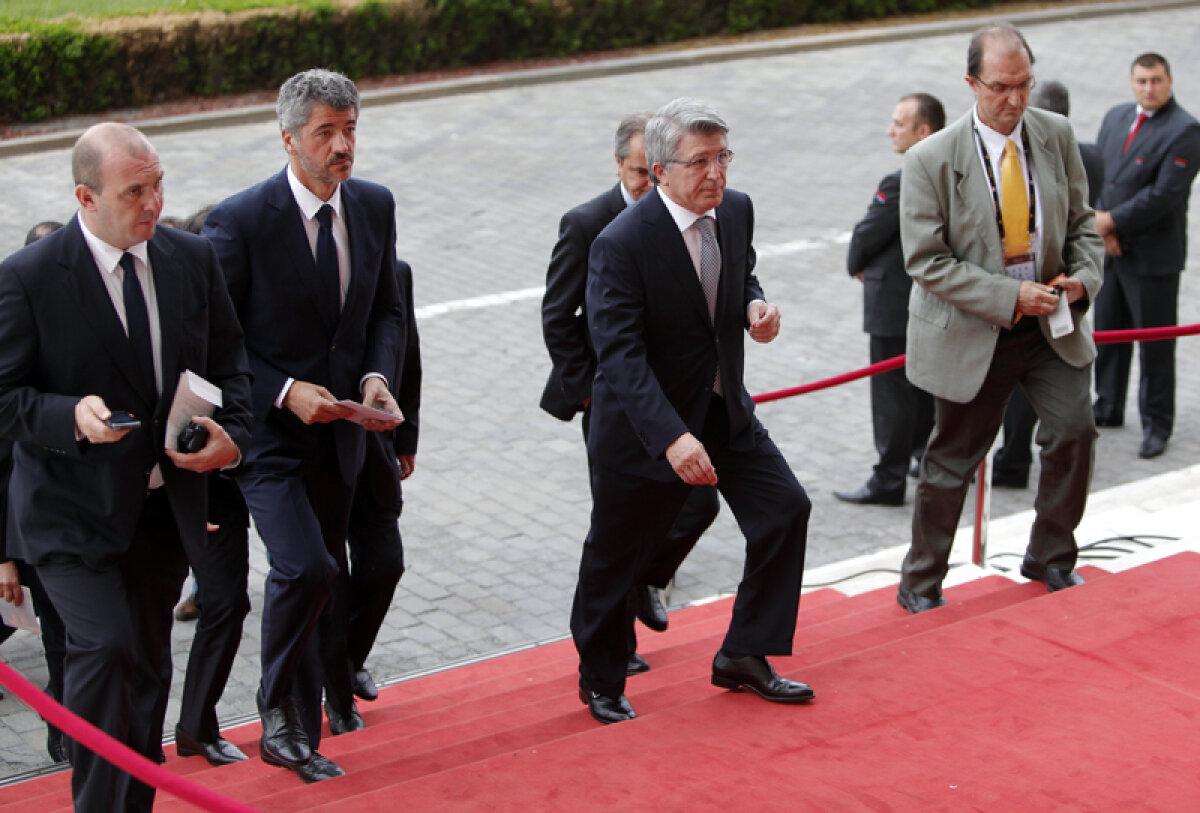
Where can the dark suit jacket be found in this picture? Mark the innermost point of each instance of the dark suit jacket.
(564, 309)
(1146, 190)
(259, 236)
(384, 447)
(1093, 168)
(61, 339)
(656, 348)
(875, 251)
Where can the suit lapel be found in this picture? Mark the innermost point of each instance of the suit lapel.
(168, 289)
(974, 192)
(92, 300)
(294, 243)
(672, 252)
(1052, 191)
(362, 246)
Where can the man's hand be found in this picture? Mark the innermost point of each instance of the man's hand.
(1036, 299)
(375, 394)
(859, 276)
(219, 450)
(312, 403)
(1072, 288)
(408, 464)
(1104, 224)
(1112, 245)
(10, 583)
(764, 322)
(690, 461)
(90, 415)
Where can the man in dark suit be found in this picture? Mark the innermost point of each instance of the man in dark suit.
(669, 293)
(994, 216)
(1151, 154)
(568, 389)
(1010, 466)
(901, 414)
(310, 259)
(103, 316)
(376, 547)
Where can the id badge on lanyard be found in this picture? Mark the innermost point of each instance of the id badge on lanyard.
(1022, 266)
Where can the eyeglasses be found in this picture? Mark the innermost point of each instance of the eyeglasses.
(721, 159)
(1001, 89)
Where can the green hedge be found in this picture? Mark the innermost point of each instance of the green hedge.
(60, 69)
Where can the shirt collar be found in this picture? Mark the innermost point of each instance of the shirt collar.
(109, 257)
(993, 140)
(684, 218)
(309, 203)
(628, 198)
(1148, 113)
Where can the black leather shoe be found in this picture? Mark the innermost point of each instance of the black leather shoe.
(1054, 578)
(753, 672)
(55, 746)
(1102, 420)
(869, 495)
(219, 752)
(650, 609)
(636, 665)
(318, 769)
(364, 688)
(340, 723)
(1010, 479)
(1152, 446)
(284, 741)
(917, 604)
(603, 708)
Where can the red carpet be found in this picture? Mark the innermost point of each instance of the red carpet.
(1008, 699)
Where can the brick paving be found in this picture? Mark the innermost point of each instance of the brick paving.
(499, 504)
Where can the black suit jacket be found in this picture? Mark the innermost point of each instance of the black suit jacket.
(61, 339)
(564, 306)
(259, 236)
(657, 350)
(1093, 168)
(384, 447)
(875, 251)
(1146, 189)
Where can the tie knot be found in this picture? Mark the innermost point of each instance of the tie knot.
(127, 264)
(325, 216)
(1010, 147)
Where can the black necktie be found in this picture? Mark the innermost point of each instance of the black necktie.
(137, 322)
(327, 261)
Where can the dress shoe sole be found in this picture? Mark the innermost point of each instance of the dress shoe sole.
(733, 684)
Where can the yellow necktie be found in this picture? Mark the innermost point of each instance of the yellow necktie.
(1014, 203)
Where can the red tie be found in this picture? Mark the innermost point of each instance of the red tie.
(1137, 125)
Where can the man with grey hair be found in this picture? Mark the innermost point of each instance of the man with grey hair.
(97, 322)
(998, 237)
(569, 387)
(310, 259)
(670, 289)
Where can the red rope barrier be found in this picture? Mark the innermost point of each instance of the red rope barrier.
(1149, 334)
(114, 751)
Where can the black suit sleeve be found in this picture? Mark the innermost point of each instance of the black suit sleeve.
(563, 329)
(879, 225)
(408, 378)
(1169, 187)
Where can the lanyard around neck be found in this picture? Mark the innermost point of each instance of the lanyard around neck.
(991, 176)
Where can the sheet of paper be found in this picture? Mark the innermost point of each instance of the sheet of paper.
(362, 413)
(23, 617)
(1060, 319)
(195, 396)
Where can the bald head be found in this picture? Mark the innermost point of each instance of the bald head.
(100, 142)
(118, 183)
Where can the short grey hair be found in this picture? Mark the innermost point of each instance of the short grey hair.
(672, 121)
(299, 94)
(630, 126)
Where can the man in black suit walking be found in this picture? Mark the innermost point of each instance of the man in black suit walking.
(670, 289)
(99, 317)
(1151, 154)
(310, 259)
(901, 413)
(569, 387)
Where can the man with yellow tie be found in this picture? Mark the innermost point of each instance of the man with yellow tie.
(1000, 241)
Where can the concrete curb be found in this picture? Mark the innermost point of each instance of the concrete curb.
(759, 47)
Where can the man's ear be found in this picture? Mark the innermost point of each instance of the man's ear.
(86, 197)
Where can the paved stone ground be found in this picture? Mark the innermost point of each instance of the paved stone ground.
(499, 504)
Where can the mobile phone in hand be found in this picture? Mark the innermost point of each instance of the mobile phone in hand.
(122, 420)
